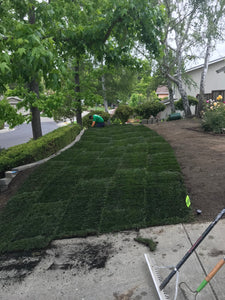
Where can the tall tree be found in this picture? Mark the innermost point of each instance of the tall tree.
(212, 31)
(178, 39)
(40, 36)
(106, 29)
(31, 51)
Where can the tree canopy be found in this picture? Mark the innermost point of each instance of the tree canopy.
(42, 40)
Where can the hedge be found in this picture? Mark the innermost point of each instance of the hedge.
(123, 113)
(36, 150)
(192, 101)
(148, 108)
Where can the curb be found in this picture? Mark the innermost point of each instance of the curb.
(9, 175)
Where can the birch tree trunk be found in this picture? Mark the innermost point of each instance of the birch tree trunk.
(184, 97)
(171, 99)
(179, 62)
(186, 106)
(104, 94)
(203, 76)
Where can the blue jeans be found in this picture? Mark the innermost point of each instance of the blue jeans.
(100, 124)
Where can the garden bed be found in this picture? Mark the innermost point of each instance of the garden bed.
(201, 156)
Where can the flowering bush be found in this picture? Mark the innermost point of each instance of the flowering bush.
(219, 98)
(214, 115)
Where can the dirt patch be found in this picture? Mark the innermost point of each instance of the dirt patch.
(201, 156)
(18, 265)
(78, 259)
(215, 252)
(81, 258)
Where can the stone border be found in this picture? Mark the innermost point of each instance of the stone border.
(9, 175)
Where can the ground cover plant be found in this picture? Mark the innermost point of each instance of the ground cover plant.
(115, 178)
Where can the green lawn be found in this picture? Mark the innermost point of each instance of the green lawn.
(114, 178)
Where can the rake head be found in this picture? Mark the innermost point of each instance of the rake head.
(155, 277)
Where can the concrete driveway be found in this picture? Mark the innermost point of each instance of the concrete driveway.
(113, 266)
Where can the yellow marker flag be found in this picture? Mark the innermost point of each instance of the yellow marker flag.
(188, 201)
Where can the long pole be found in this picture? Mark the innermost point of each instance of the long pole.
(191, 250)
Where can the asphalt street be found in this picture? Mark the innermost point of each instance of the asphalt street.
(23, 133)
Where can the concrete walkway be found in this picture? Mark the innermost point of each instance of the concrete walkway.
(68, 271)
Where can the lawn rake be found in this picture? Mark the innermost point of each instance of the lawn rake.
(159, 287)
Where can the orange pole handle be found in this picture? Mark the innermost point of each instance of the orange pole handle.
(215, 270)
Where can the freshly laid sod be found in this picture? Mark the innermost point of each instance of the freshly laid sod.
(115, 178)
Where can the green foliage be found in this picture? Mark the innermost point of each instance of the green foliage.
(150, 108)
(123, 112)
(9, 114)
(87, 122)
(67, 110)
(43, 41)
(116, 178)
(192, 101)
(38, 149)
(214, 119)
(136, 99)
(2, 124)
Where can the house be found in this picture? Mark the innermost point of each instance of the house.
(13, 100)
(162, 91)
(214, 82)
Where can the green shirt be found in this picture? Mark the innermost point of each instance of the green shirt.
(98, 119)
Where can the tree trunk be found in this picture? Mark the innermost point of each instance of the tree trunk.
(34, 87)
(36, 118)
(77, 94)
(104, 94)
(203, 76)
(171, 99)
(186, 106)
(187, 110)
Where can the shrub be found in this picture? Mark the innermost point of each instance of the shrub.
(214, 119)
(123, 113)
(136, 99)
(38, 149)
(150, 108)
(192, 101)
(87, 122)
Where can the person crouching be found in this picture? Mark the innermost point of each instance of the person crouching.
(98, 121)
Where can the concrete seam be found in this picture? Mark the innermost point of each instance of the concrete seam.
(198, 258)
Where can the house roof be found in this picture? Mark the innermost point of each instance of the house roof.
(12, 99)
(162, 90)
(210, 63)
